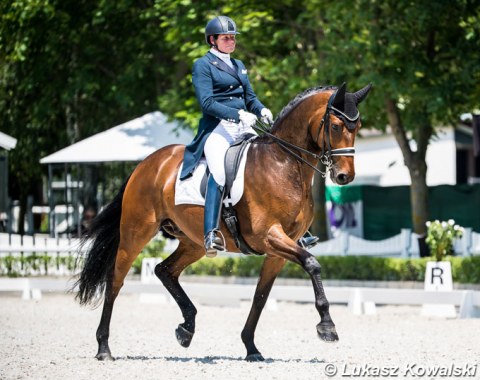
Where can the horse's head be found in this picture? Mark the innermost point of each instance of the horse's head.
(335, 132)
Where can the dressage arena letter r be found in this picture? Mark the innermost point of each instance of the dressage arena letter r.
(437, 272)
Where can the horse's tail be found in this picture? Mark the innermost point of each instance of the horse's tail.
(103, 236)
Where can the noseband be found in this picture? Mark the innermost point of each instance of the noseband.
(327, 151)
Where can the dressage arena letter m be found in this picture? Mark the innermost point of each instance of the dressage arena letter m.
(148, 270)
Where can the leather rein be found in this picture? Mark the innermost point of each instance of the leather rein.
(327, 151)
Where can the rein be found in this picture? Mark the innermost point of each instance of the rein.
(327, 151)
(285, 145)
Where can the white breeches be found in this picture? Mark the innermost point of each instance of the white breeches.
(217, 145)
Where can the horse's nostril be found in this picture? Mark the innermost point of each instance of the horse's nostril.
(342, 178)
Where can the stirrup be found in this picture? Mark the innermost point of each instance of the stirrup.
(308, 242)
(214, 243)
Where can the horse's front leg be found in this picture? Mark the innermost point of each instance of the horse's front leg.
(285, 247)
(168, 272)
(270, 269)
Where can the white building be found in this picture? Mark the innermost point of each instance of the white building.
(379, 160)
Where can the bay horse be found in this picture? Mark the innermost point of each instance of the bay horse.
(276, 209)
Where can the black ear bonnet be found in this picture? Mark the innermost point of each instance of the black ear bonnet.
(343, 104)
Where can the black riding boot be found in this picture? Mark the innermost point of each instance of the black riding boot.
(308, 241)
(213, 204)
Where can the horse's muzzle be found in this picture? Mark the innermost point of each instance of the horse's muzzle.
(342, 177)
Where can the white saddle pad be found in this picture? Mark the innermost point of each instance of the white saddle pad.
(188, 190)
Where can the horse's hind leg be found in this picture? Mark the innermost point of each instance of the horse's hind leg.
(270, 269)
(132, 239)
(103, 330)
(168, 272)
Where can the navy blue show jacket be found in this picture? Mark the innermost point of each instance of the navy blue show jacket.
(221, 93)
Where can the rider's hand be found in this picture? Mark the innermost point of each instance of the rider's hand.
(267, 116)
(247, 119)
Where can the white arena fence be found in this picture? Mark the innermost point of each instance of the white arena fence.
(402, 245)
(359, 300)
(59, 254)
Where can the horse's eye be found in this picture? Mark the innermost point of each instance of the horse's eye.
(335, 127)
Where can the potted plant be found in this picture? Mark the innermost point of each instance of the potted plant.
(441, 237)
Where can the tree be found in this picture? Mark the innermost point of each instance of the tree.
(70, 69)
(424, 61)
(278, 50)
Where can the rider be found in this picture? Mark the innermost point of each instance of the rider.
(230, 108)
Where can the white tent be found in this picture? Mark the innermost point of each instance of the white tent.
(7, 142)
(128, 142)
(131, 141)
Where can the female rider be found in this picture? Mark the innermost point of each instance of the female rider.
(230, 108)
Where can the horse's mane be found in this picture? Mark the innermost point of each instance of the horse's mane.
(292, 104)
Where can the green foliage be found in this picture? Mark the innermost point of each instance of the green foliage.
(422, 60)
(441, 236)
(35, 264)
(466, 270)
(70, 68)
(153, 249)
(362, 268)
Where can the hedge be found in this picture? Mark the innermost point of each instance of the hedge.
(464, 269)
(35, 264)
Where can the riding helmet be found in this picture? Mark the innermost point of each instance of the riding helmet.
(220, 25)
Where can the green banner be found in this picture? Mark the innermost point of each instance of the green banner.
(343, 194)
(386, 210)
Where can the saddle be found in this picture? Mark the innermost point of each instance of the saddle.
(233, 158)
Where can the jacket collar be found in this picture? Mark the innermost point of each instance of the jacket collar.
(219, 64)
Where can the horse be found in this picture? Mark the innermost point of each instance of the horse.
(275, 210)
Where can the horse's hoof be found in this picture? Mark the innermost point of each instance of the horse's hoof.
(327, 333)
(255, 358)
(184, 336)
(104, 356)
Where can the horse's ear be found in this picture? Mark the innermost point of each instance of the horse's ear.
(360, 95)
(338, 100)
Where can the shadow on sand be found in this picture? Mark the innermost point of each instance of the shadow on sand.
(214, 359)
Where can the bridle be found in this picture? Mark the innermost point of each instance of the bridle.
(327, 152)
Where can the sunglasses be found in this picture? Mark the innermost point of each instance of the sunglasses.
(227, 38)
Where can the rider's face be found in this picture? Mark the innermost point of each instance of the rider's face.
(226, 43)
